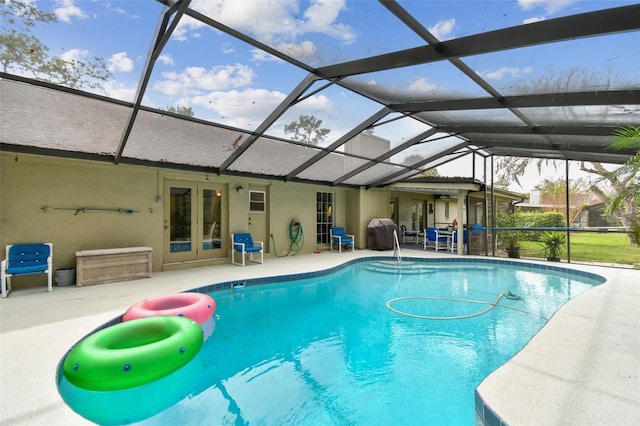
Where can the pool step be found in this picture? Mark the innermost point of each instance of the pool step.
(409, 267)
(393, 267)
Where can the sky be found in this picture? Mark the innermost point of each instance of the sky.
(230, 82)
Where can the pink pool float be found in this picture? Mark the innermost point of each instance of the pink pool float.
(197, 306)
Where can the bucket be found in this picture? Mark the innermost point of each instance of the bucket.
(65, 276)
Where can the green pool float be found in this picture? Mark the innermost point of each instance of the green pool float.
(133, 353)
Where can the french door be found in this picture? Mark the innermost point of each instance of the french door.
(194, 221)
(324, 217)
(417, 216)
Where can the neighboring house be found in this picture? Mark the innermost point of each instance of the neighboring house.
(587, 210)
(438, 201)
(596, 217)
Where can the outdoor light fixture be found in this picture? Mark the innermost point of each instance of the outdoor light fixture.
(239, 189)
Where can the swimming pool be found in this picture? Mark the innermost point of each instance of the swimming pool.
(326, 348)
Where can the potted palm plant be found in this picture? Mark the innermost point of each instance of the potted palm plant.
(511, 244)
(510, 238)
(552, 243)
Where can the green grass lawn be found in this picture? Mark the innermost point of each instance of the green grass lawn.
(594, 247)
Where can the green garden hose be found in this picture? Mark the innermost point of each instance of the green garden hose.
(296, 237)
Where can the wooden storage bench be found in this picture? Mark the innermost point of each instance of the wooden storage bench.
(111, 265)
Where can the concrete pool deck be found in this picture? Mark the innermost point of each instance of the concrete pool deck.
(582, 368)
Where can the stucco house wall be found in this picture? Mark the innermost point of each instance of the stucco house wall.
(30, 182)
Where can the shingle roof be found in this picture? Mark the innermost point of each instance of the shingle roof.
(566, 124)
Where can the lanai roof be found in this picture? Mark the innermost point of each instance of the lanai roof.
(435, 99)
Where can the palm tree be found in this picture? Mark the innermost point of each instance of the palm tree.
(628, 198)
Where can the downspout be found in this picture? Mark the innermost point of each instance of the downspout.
(460, 228)
(493, 212)
(566, 176)
(485, 210)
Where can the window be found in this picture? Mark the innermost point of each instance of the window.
(257, 202)
(324, 216)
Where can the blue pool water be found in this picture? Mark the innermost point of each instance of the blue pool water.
(327, 350)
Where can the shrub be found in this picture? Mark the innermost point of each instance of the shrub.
(539, 220)
(552, 244)
(510, 239)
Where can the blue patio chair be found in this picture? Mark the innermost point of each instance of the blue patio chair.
(434, 239)
(341, 238)
(412, 236)
(26, 259)
(244, 244)
(454, 241)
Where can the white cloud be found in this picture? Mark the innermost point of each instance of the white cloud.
(115, 8)
(272, 22)
(502, 72)
(301, 51)
(315, 105)
(227, 48)
(247, 108)
(170, 86)
(165, 59)
(421, 85)
(65, 10)
(75, 55)
(265, 19)
(122, 91)
(110, 6)
(321, 17)
(258, 55)
(241, 108)
(443, 30)
(194, 80)
(119, 62)
(534, 20)
(549, 6)
(187, 25)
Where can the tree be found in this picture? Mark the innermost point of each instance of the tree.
(625, 204)
(187, 111)
(628, 137)
(510, 169)
(23, 53)
(430, 173)
(415, 158)
(554, 192)
(307, 129)
(577, 79)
